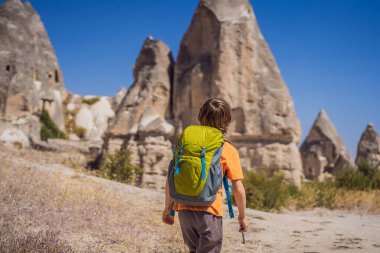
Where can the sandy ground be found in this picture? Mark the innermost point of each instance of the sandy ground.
(98, 215)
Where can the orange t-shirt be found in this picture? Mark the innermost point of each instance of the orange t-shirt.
(230, 163)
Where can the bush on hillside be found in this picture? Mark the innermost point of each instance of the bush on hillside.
(352, 188)
(314, 194)
(118, 167)
(48, 128)
(80, 132)
(365, 177)
(267, 193)
(90, 101)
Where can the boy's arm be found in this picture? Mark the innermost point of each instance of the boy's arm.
(166, 217)
(240, 199)
(168, 199)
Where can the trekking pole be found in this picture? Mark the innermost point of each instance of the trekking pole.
(242, 235)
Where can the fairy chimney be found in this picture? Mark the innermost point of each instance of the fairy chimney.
(140, 123)
(323, 151)
(369, 147)
(30, 76)
(223, 54)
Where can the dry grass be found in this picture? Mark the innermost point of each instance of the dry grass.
(367, 202)
(312, 196)
(18, 241)
(48, 206)
(86, 212)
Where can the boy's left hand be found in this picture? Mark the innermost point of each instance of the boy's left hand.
(167, 218)
(243, 221)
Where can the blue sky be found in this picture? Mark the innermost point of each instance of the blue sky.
(328, 51)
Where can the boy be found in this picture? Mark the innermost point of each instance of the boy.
(202, 226)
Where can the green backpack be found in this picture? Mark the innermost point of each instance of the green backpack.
(195, 175)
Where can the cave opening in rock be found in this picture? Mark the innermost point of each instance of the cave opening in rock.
(237, 120)
(50, 78)
(56, 76)
(328, 169)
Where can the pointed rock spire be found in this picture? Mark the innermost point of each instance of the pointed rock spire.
(140, 124)
(369, 147)
(13, 4)
(223, 54)
(151, 88)
(26, 49)
(323, 151)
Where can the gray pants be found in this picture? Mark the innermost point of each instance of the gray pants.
(201, 231)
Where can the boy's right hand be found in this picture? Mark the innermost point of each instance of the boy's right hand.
(167, 218)
(243, 221)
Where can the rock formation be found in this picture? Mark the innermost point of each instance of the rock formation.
(223, 54)
(323, 151)
(369, 147)
(13, 137)
(30, 76)
(116, 100)
(140, 123)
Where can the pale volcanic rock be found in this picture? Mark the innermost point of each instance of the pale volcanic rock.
(13, 137)
(152, 122)
(323, 151)
(70, 107)
(151, 88)
(102, 112)
(92, 117)
(140, 123)
(369, 147)
(223, 54)
(85, 119)
(153, 154)
(29, 71)
(116, 100)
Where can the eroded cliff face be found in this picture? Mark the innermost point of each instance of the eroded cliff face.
(140, 123)
(323, 151)
(30, 76)
(223, 54)
(369, 147)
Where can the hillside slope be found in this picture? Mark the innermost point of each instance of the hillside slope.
(97, 215)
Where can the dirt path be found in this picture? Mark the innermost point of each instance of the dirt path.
(98, 215)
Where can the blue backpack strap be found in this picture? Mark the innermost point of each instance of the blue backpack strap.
(203, 163)
(178, 159)
(228, 195)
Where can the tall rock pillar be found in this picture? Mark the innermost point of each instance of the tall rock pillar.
(140, 123)
(30, 76)
(369, 147)
(323, 151)
(223, 54)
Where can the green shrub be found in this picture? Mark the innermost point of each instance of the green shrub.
(91, 101)
(315, 194)
(80, 132)
(326, 193)
(375, 182)
(267, 193)
(365, 177)
(351, 189)
(48, 128)
(118, 167)
(307, 197)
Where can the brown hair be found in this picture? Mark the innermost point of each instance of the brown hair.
(215, 112)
